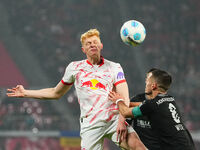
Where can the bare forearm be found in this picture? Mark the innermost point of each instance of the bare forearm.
(122, 89)
(121, 118)
(124, 110)
(48, 93)
(134, 104)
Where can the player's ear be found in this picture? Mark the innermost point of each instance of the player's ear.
(83, 50)
(101, 45)
(154, 86)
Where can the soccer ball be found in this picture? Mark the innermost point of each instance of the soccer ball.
(132, 32)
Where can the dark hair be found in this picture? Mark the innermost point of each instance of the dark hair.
(152, 69)
(162, 78)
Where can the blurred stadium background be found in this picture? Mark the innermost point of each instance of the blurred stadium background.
(38, 38)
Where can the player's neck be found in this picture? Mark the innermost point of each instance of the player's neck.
(96, 60)
(156, 93)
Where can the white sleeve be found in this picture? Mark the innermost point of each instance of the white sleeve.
(119, 76)
(68, 77)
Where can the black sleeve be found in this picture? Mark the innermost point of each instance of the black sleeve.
(148, 107)
(136, 98)
(191, 140)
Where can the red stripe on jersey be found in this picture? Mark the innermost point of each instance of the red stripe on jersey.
(121, 81)
(112, 109)
(95, 116)
(103, 103)
(111, 106)
(79, 64)
(88, 74)
(110, 117)
(94, 104)
(65, 83)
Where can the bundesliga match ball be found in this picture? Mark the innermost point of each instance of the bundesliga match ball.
(133, 32)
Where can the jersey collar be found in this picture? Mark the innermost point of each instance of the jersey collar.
(102, 62)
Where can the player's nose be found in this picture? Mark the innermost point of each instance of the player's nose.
(93, 45)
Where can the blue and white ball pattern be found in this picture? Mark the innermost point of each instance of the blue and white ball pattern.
(132, 32)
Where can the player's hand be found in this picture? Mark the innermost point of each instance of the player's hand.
(113, 96)
(121, 131)
(17, 91)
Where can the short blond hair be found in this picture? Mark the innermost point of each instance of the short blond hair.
(89, 33)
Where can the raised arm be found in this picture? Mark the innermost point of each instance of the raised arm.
(125, 111)
(120, 101)
(134, 104)
(122, 89)
(49, 93)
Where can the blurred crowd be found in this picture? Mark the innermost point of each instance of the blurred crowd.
(52, 30)
(26, 115)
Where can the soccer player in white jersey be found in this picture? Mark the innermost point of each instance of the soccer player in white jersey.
(93, 78)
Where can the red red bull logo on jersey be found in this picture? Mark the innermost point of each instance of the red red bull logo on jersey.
(93, 84)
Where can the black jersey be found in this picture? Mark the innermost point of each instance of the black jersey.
(166, 121)
(143, 128)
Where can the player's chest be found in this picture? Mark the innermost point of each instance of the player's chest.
(94, 73)
(94, 77)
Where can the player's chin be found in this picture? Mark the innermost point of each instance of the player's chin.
(94, 54)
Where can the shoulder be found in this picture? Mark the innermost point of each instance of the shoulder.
(163, 98)
(111, 63)
(76, 63)
(115, 68)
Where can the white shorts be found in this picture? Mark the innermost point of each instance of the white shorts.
(92, 138)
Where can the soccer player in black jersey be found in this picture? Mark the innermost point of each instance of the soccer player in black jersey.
(142, 126)
(161, 110)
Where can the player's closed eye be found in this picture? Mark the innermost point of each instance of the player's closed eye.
(88, 43)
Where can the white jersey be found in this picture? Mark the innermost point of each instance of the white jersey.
(93, 84)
